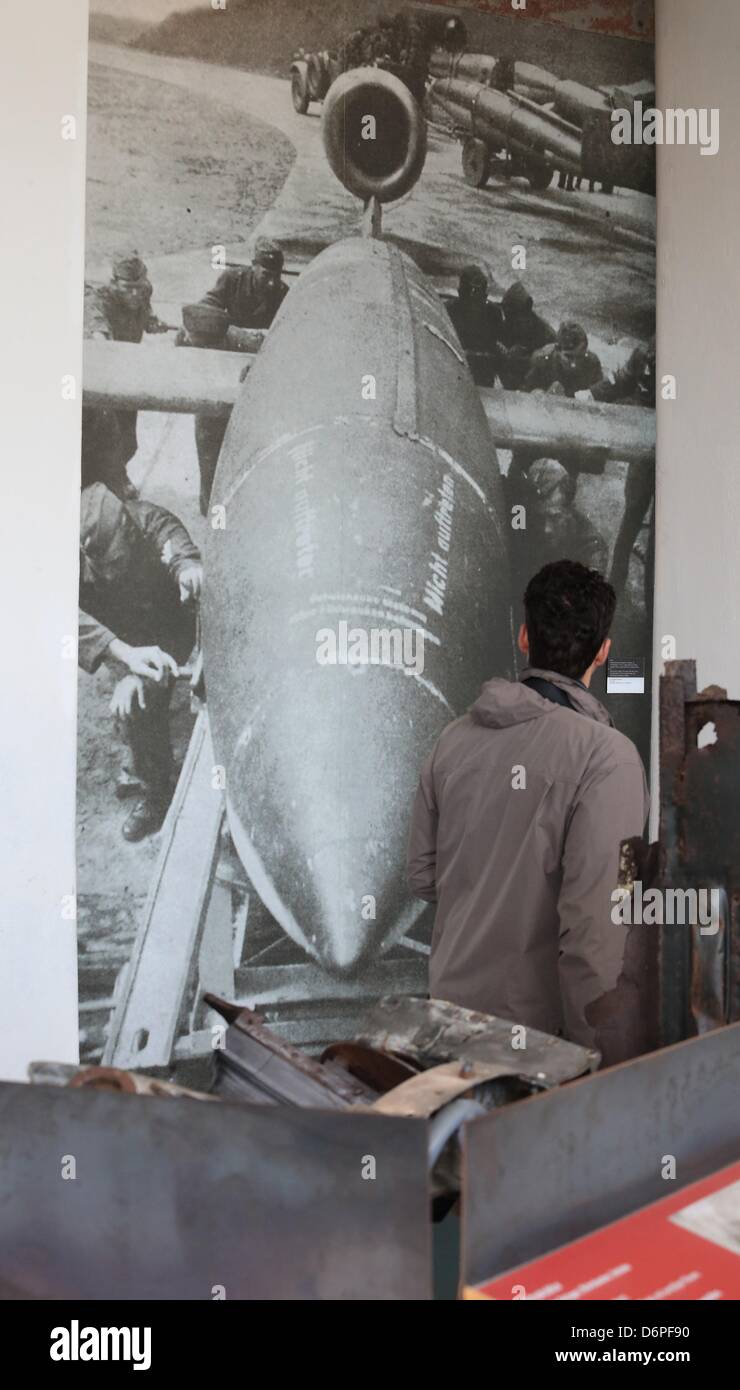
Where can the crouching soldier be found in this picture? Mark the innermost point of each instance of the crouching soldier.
(559, 528)
(565, 366)
(121, 310)
(251, 294)
(522, 332)
(140, 580)
(477, 323)
(562, 368)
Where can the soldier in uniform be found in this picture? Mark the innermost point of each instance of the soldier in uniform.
(251, 294)
(411, 50)
(122, 310)
(633, 384)
(353, 48)
(205, 326)
(559, 528)
(140, 579)
(478, 324)
(556, 529)
(383, 41)
(565, 366)
(561, 368)
(521, 334)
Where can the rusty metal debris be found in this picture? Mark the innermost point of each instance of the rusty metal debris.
(414, 1058)
(256, 1065)
(411, 1056)
(692, 970)
(132, 1083)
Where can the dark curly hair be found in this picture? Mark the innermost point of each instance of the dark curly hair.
(568, 610)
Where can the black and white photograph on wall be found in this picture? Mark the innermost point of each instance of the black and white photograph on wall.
(369, 340)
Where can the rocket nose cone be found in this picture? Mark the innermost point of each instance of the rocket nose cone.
(319, 792)
(346, 920)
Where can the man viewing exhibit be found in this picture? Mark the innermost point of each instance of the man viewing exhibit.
(516, 829)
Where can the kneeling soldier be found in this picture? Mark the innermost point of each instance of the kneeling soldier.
(140, 579)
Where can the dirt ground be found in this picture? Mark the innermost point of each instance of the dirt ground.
(189, 171)
(183, 155)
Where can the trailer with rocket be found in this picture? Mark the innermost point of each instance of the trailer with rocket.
(522, 120)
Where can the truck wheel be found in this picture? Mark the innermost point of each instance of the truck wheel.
(476, 163)
(539, 176)
(299, 93)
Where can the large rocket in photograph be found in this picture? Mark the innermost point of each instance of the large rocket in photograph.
(356, 595)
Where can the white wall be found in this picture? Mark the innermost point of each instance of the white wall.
(43, 78)
(698, 550)
(698, 497)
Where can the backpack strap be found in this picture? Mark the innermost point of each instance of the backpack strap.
(549, 691)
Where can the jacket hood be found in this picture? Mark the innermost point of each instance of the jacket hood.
(502, 703)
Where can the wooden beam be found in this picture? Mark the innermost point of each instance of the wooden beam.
(143, 1027)
(205, 381)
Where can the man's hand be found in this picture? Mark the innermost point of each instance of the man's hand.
(584, 396)
(190, 580)
(128, 689)
(151, 662)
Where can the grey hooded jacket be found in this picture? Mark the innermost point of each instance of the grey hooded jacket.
(515, 835)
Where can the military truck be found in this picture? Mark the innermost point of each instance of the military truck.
(401, 44)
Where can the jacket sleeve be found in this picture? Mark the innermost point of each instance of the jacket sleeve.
(220, 296)
(595, 372)
(615, 387)
(421, 859)
(537, 378)
(167, 534)
(602, 1006)
(95, 319)
(92, 642)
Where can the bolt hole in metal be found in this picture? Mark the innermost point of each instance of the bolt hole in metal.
(141, 1038)
(707, 735)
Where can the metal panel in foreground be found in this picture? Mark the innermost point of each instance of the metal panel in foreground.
(548, 1170)
(176, 1199)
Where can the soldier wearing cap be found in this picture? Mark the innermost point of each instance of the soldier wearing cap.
(522, 333)
(251, 294)
(561, 368)
(124, 304)
(565, 366)
(557, 528)
(122, 310)
(477, 323)
(206, 326)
